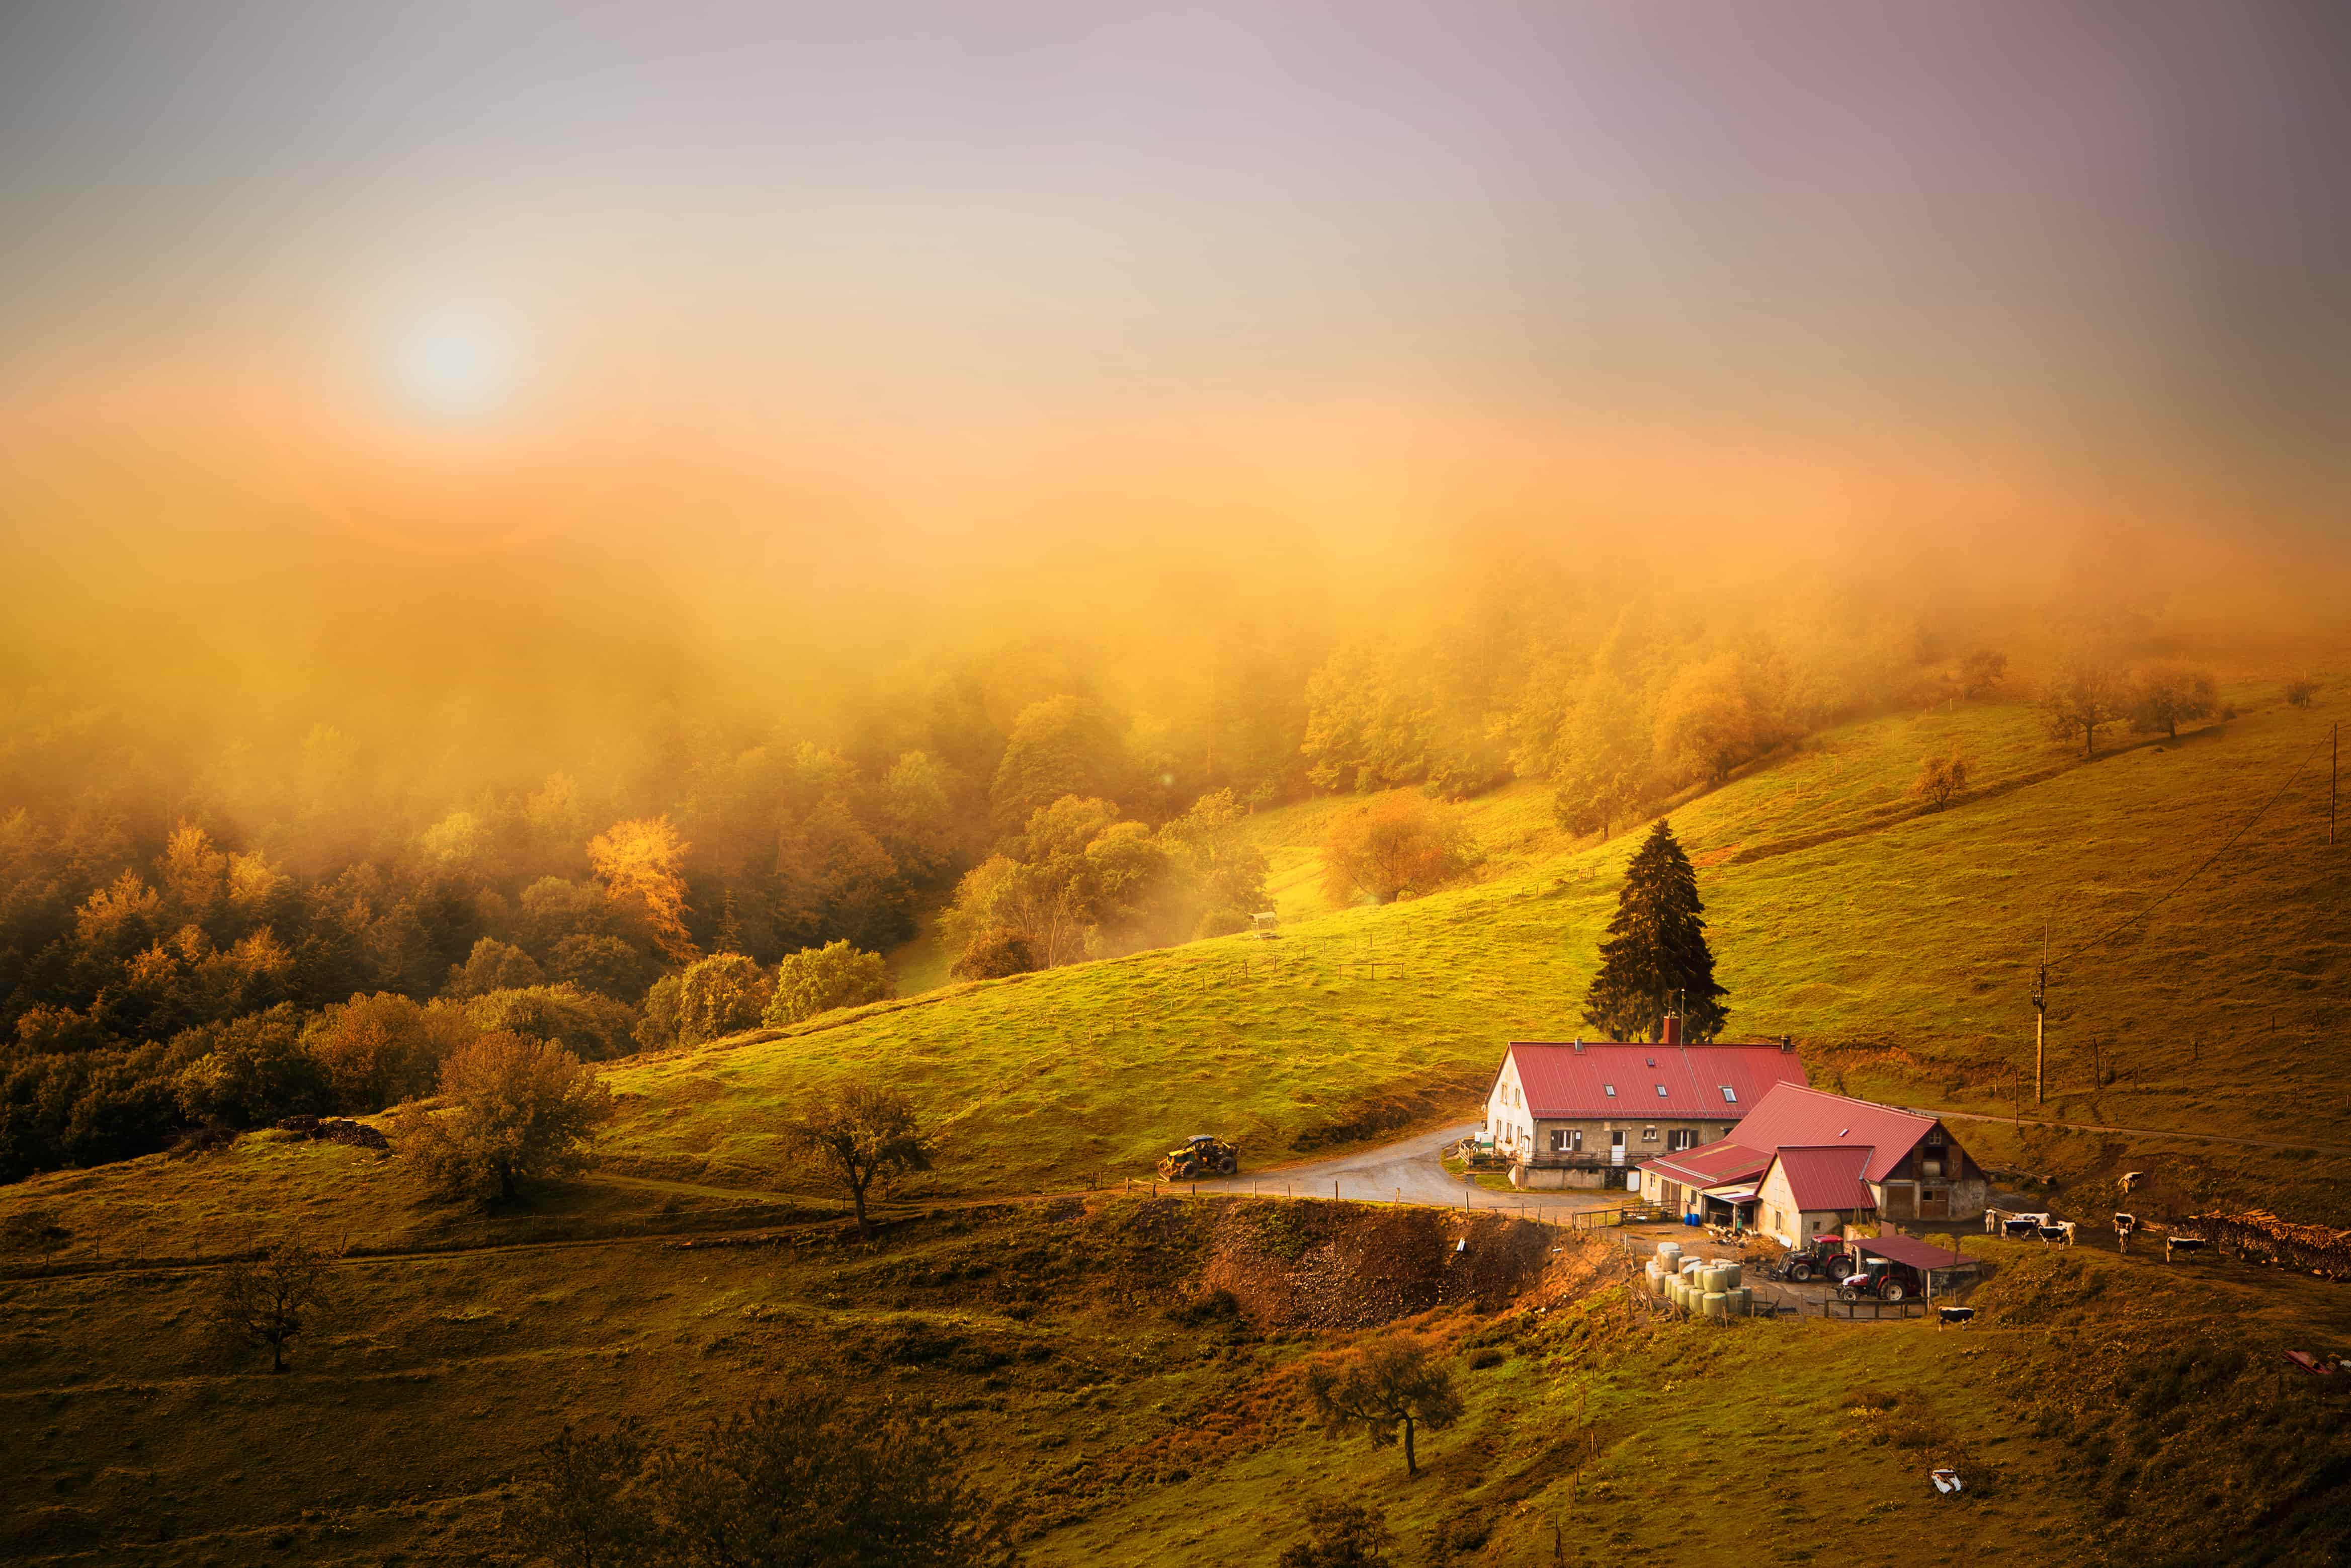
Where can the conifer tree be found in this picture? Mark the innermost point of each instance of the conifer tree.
(1655, 957)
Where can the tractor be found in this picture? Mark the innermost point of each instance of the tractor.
(1203, 1154)
(1825, 1257)
(1881, 1278)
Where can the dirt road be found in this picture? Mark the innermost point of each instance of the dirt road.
(1408, 1170)
(2133, 1132)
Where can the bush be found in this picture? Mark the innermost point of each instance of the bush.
(1939, 780)
(1399, 843)
(818, 979)
(590, 1025)
(1340, 1535)
(994, 954)
(2298, 693)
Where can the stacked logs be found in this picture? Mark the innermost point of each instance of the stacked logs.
(2262, 1237)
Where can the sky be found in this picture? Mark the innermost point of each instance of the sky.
(815, 295)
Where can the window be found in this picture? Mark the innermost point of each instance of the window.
(1681, 1138)
(1729, 1096)
(1648, 1134)
(1777, 1223)
(1935, 1137)
(1661, 1092)
(1612, 1090)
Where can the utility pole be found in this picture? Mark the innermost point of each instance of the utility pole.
(2333, 766)
(2040, 1014)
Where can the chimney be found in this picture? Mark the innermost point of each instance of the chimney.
(1579, 1043)
(1673, 1029)
(1787, 1045)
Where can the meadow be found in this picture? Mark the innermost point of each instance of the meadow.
(1896, 946)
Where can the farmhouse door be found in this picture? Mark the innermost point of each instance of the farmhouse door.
(1616, 1147)
(1901, 1200)
(1934, 1203)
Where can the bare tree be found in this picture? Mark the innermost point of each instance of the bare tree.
(1387, 1387)
(2083, 697)
(272, 1298)
(35, 1230)
(861, 1135)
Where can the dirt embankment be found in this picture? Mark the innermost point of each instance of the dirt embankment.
(1352, 1266)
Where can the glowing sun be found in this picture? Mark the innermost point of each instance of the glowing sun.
(453, 363)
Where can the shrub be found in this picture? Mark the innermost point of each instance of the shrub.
(1340, 1535)
(818, 979)
(2298, 693)
(993, 954)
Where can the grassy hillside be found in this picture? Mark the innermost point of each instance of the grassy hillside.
(1124, 1412)
(1897, 946)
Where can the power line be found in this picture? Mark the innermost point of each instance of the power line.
(2201, 867)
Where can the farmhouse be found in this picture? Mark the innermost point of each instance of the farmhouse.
(1585, 1112)
(1805, 1163)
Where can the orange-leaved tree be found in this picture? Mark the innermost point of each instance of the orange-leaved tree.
(641, 864)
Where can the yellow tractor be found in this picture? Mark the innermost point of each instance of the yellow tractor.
(1203, 1154)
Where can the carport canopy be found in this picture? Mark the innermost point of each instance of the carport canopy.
(1917, 1254)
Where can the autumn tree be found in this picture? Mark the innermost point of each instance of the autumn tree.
(1401, 843)
(380, 1049)
(1389, 1387)
(817, 979)
(2083, 697)
(1981, 673)
(272, 1298)
(589, 1024)
(252, 1072)
(642, 865)
(1604, 758)
(1940, 779)
(860, 1137)
(1714, 716)
(1062, 745)
(1340, 1535)
(1655, 959)
(2165, 694)
(2298, 693)
(719, 996)
(513, 1108)
(493, 966)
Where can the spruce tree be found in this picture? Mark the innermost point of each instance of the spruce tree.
(1655, 956)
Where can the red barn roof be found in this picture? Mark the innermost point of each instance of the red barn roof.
(1716, 1165)
(1822, 1179)
(1718, 1083)
(1792, 1116)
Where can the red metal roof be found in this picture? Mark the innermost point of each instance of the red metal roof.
(1792, 1116)
(1911, 1250)
(1821, 1179)
(1563, 1080)
(1715, 1164)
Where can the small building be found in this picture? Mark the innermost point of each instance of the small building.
(1588, 1113)
(1824, 1162)
(1941, 1269)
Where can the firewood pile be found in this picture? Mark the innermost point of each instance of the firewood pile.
(2262, 1237)
(338, 1130)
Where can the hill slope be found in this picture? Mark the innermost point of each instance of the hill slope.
(1896, 947)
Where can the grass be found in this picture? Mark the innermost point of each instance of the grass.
(2103, 1409)
(1122, 1427)
(1900, 955)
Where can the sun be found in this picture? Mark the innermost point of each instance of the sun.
(454, 361)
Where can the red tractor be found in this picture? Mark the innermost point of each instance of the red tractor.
(1822, 1258)
(1882, 1279)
